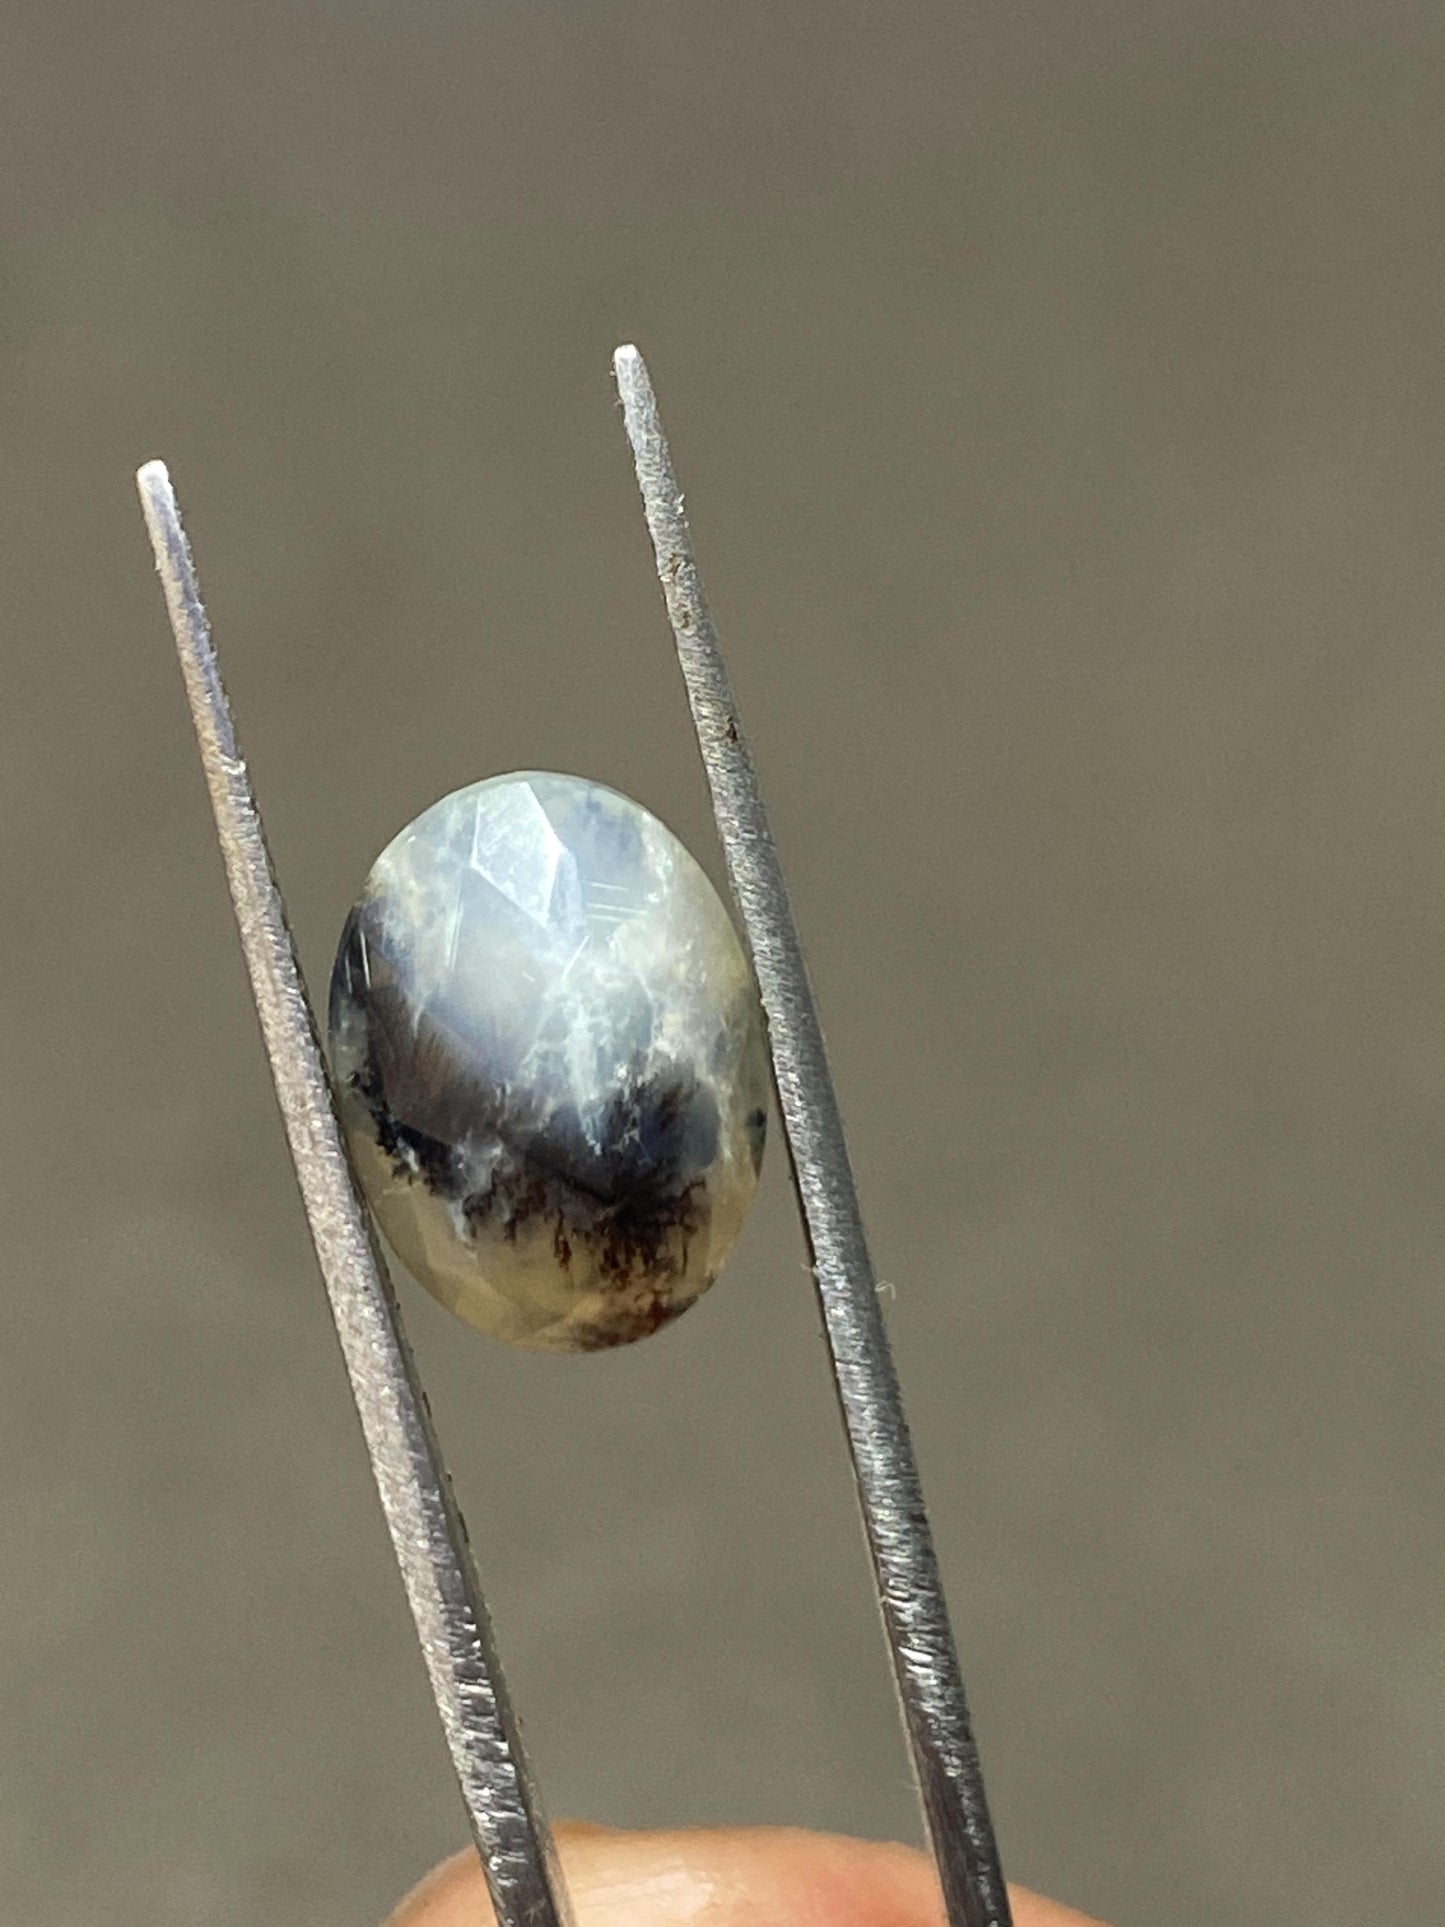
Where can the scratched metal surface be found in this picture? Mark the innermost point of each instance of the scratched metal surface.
(1075, 543)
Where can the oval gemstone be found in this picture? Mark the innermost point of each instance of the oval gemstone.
(550, 1062)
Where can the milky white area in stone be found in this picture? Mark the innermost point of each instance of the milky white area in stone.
(550, 1059)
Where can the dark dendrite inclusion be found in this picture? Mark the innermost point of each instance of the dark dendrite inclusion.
(550, 1060)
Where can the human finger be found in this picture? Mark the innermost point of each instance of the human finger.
(756, 1877)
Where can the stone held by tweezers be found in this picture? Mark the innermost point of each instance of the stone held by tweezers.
(550, 1062)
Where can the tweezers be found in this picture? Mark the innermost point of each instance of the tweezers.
(428, 1533)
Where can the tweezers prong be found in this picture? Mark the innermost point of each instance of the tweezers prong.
(427, 1531)
(910, 1593)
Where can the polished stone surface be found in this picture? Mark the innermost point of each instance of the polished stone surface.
(551, 1062)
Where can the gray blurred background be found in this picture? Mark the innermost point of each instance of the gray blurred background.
(1058, 393)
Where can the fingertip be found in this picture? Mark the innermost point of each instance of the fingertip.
(730, 1879)
(430, 1901)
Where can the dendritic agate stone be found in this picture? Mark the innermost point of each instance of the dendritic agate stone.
(550, 1060)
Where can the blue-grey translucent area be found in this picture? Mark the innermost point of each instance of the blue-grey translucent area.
(551, 1062)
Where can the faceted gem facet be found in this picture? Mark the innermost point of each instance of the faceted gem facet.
(550, 1061)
